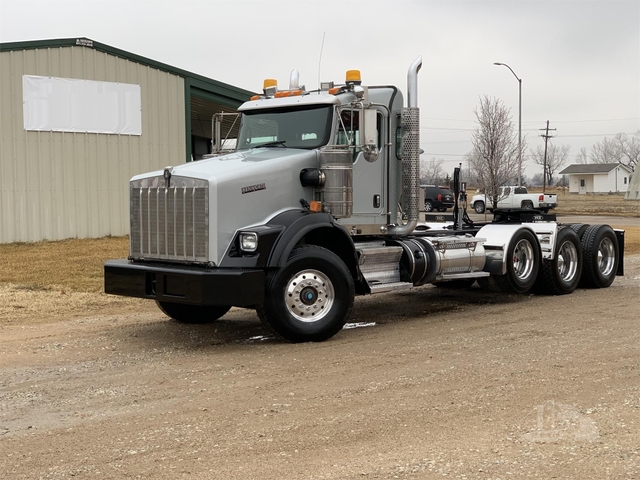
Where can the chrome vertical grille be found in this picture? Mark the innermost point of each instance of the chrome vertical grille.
(169, 222)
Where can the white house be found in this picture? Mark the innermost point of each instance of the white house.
(598, 177)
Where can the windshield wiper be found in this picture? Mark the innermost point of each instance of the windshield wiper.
(276, 143)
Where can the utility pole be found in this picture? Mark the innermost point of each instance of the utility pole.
(546, 137)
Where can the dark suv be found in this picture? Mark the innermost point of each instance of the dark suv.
(437, 198)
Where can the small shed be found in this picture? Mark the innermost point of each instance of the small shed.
(598, 177)
(79, 118)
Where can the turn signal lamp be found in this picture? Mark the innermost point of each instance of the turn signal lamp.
(315, 206)
(353, 76)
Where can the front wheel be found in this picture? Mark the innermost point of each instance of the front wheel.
(194, 314)
(562, 274)
(310, 298)
(428, 206)
(478, 207)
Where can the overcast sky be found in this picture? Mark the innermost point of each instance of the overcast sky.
(579, 61)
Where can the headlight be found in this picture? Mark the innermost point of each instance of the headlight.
(248, 241)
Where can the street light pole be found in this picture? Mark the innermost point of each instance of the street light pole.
(519, 121)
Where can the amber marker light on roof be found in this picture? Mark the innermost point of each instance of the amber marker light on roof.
(269, 82)
(353, 76)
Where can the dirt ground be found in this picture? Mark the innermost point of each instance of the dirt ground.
(425, 384)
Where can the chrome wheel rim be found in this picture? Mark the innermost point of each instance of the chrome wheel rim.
(567, 262)
(606, 257)
(309, 296)
(523, 260)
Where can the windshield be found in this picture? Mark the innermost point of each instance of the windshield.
(307, 127)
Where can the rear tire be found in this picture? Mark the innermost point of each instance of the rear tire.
(310, 298)
(523, 263)
(527, 205)
(579, 228)
(479, 207)
(192, 314)
(600, 254)
(561, 275)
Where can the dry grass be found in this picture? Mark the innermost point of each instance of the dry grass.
(68, 264)
(615, 204)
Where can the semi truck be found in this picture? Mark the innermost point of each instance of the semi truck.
(318, 203)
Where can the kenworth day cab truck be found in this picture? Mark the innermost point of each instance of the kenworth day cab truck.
(320, 202)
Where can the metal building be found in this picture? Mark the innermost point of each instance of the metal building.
(78, 119)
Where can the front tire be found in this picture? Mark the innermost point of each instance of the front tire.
(561, 275)
(428, 206)
(479, 207)
(600, 253)
(192, 314)
(310, 298)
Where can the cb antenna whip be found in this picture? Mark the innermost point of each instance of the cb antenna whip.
(320, 60)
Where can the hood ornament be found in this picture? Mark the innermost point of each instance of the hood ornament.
(167, 176)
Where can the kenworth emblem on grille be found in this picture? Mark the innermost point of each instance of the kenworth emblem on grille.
(167, 176)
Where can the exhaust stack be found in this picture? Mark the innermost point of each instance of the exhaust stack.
(410, 153)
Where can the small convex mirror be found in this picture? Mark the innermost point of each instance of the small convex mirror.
(370, 135)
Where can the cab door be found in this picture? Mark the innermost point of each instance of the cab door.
(369, 185)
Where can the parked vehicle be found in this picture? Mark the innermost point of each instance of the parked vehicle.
(437, 198)
(515, 197)
(315, 207)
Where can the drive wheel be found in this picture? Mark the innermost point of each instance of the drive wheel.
(310, 298)
(600, 254)
(579, 228)
(562, 274)
(478, 207)
(428, 206)
(523, 263)
(527, 205)
(194, 314)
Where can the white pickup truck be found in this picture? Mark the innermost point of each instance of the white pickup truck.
(516, 197)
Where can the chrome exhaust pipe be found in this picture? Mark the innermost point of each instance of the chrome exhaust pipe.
(410, 153)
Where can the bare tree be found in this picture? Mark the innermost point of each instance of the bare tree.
(622, 148)
(556, 157)
(627, 149)
(432, 172)
(494, 157)
(603, 152)
(582, 156)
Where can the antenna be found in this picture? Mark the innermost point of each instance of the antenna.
(320, 60)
